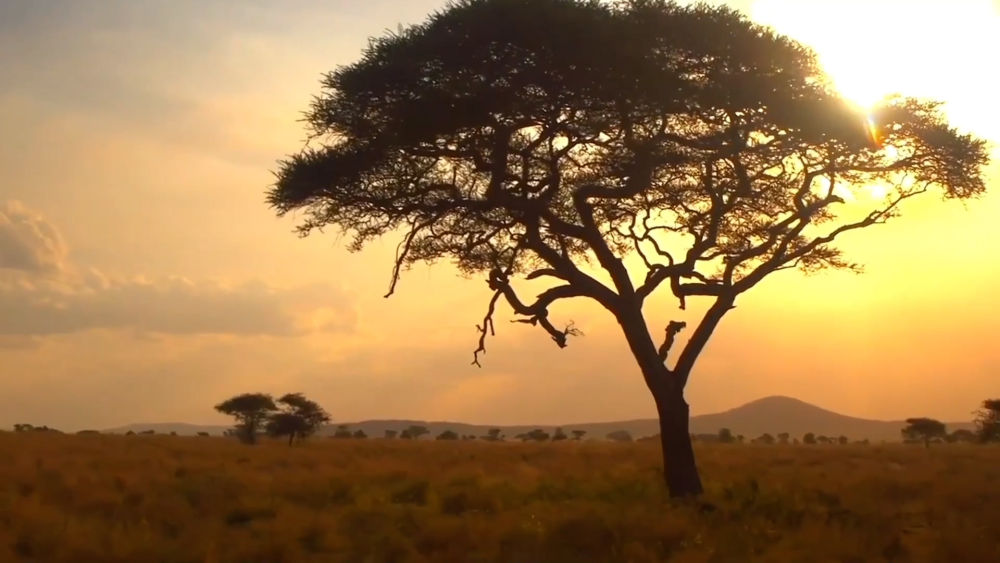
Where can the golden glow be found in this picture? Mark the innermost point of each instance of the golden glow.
(873, 48)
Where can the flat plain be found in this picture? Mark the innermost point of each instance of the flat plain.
(69, 498)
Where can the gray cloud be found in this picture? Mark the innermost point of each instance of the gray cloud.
(42, 293)
(28, 242)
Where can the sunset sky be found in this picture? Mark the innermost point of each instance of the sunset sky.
(143, 278)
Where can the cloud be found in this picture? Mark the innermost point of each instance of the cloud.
(28, 242)
(43, 293)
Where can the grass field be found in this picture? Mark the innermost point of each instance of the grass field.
(180, 499)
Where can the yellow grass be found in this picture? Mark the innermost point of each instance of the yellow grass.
(178, 499)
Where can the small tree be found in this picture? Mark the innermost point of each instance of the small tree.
(251, 411)
(558, 435)
(537, 435)
(390, 434)
(726, 436)
(414, 432)
(203, 434)
(962, 436)
(620, 436)
(299, 417)
(764, 439)
(842, 440)
(579, 434)
(783, 438)
(988, 421)
(493, 435)
(693, 147)
(359, 434)
(923, 430)
(447, 435)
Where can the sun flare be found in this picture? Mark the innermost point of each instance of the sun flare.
(874, 48)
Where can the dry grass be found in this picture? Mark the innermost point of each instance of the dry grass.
(177, 499)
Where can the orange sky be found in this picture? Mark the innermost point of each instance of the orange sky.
(142, 277)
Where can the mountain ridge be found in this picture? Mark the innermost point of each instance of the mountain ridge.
(772, 414)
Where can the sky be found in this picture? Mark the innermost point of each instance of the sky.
(144, 279)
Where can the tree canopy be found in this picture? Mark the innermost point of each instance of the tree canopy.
(924, 430)
(251, 411)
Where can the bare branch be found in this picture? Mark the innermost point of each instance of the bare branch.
(486, 327)
(673, 328)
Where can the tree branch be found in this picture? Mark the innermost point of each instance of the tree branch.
(673, 328)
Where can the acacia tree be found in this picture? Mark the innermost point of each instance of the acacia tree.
(251, 411)
(299, 417)
(610, 150)
(924, 430)
(988, 421)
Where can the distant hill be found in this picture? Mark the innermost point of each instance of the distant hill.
(768, 415)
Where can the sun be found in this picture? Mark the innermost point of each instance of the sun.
(874, 48)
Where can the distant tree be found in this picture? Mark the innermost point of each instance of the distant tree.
(492, 435)
(764, 439)
(414, 432)
(23, 427)
(359, 434)
(740, 438)
(343, 432)
(988, 421)
(390, 434)
(203, 434)
(558, 435)
(148, 432)
(511, 139)
(130, 433)
(726, 436)
(579, 434)
(809, 438)
(783, 438)
(447, 435)
(251, 411)
(619, 436)
(924, 430)
(537, 435)
(297, 418)
(962, 436)
(842, 440)
(173, 432)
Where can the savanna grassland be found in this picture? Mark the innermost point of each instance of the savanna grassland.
(185, 499)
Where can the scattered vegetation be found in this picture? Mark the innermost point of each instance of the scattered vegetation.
(102, 498)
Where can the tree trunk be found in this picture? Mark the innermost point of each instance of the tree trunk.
(679, 468)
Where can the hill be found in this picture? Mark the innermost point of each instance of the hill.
(771, 415)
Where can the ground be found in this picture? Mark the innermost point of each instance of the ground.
(171, 499)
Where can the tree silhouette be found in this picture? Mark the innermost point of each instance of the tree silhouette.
(579, 434)
(299, 417)
(705, 150)
(343, 432)
(620, 436)
(359, 434)
(924, 430)
(962, 435)
(988, 421)
(726, 436)
(390, 434)
(764, 439)
(414, 432)
(558, 435)
(537, 435)
(447, 435)
(251, 411)
(493, 435)
(783, 438)
(842, 440)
